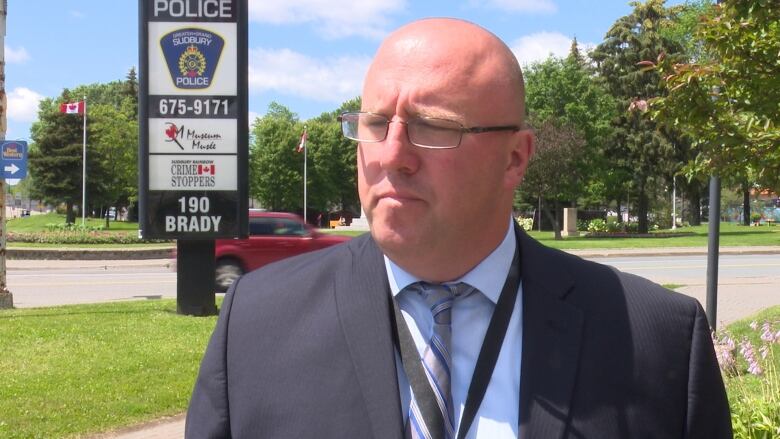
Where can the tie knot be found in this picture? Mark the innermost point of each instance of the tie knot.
(439, 298)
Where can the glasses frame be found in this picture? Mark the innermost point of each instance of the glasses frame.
(463, 130)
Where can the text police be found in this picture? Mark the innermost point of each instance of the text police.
(193, 8)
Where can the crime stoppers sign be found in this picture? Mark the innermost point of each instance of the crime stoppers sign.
(193, 125)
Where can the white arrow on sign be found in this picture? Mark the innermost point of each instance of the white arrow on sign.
(12, 169)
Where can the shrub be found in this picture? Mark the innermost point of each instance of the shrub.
(78, 237)
(54, 227)
(597, 225)
(526, 224)
(755, 407)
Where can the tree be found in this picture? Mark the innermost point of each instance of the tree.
(727, 99)
(553, 172)
(568, 91)
(55, 158)
(276, 170)
(275, 177)
(115, 145)
(637, 145)
(112, 143)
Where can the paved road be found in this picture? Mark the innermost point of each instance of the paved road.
(50, 283)
(746, 283)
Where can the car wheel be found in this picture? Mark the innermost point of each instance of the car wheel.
(228, 270)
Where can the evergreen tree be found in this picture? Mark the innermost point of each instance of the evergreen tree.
(637, 146)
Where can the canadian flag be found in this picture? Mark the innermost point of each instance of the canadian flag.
(72, 107)
(302, 144)
(207, 169)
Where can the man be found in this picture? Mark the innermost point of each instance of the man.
(446, 321)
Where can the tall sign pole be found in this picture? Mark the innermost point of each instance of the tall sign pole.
(6, 298)
(193, 134)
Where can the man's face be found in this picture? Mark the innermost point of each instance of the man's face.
(426, 205)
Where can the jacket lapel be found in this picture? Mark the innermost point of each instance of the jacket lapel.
(362, 296)
(551, 342)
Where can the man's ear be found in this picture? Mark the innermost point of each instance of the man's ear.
(520, 155)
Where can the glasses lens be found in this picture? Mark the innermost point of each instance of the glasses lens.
(364, 127)
(434, 133)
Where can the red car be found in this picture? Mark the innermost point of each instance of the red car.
(272, 236)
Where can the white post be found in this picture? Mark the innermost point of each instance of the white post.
(674, 203)
(84, 170)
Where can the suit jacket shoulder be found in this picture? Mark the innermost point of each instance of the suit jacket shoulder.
(621, 356)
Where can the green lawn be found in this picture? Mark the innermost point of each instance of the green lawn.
(730, 235)
(75, 370)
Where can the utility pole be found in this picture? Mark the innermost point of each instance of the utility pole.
(713, 248)
(6, 298)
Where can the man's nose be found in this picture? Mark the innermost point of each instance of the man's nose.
(398, 153)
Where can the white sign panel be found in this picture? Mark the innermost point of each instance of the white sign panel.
(192, 136)
(192, 173)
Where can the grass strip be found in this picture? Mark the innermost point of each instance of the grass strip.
(76, 370)
(731, 235)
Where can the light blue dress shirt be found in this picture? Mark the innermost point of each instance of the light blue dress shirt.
(497, 416)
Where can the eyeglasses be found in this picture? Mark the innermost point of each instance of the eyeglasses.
(425, 132)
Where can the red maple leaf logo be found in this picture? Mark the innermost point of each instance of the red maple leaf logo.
(171, 132)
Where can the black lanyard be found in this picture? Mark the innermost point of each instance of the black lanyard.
(486, 362)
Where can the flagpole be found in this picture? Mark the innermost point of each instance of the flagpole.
(305, 152)
(84, 170)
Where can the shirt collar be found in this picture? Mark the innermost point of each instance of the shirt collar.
(488, 276)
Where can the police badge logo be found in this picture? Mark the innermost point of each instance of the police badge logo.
(192, 56)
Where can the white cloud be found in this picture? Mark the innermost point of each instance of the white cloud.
(333, 19)
(545, 6)
(285, 71)
(23, 104)
(539, 46)
(16, 56)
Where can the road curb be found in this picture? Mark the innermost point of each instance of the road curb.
(89, 254)
(678, 251)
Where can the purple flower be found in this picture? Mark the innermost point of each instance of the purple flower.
(724, 350)
(767, 335)
(764, 351)
(754, 325)
(749, 353)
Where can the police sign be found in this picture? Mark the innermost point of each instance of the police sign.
(193, 125)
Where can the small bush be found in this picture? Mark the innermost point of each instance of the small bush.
(526, 224)
(59, 227)
(597, 225)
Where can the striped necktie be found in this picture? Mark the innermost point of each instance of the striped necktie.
(437, 360)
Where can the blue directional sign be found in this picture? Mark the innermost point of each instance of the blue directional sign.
(14, 155)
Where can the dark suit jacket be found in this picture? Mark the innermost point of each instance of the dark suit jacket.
(303, 349)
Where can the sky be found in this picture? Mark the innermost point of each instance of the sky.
(308, 55)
